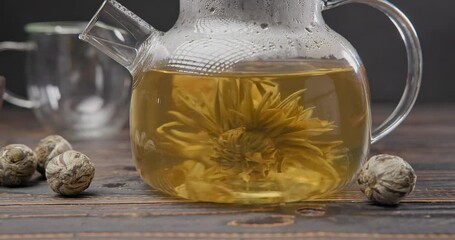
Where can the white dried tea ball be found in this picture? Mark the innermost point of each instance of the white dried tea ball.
(48, 148)
(70, 173)
(386, 179)
(17, 165)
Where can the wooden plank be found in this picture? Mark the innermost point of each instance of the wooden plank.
(290, 221)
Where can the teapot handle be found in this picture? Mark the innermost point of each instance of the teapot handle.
(414, 52)
(9, 96)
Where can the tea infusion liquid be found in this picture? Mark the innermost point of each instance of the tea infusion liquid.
(266, 132)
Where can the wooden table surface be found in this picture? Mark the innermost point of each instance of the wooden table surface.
(119, 205)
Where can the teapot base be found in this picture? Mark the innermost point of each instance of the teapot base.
(285, 188)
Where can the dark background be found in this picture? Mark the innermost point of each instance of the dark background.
(374, 37)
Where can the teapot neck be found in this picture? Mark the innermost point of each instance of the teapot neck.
(287, 12)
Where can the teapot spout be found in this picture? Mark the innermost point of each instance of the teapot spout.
(118, 32)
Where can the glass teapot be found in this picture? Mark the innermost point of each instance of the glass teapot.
(249, 101)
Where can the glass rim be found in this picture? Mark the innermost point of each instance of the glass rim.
(64, 27)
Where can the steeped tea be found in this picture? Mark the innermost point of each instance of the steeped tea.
(266, 132)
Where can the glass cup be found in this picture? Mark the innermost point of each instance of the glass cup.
(2, 90)
(73, 89)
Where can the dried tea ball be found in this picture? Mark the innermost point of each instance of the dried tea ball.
(17, 165)
(70, 173)
(48, 148)
(386, 179)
